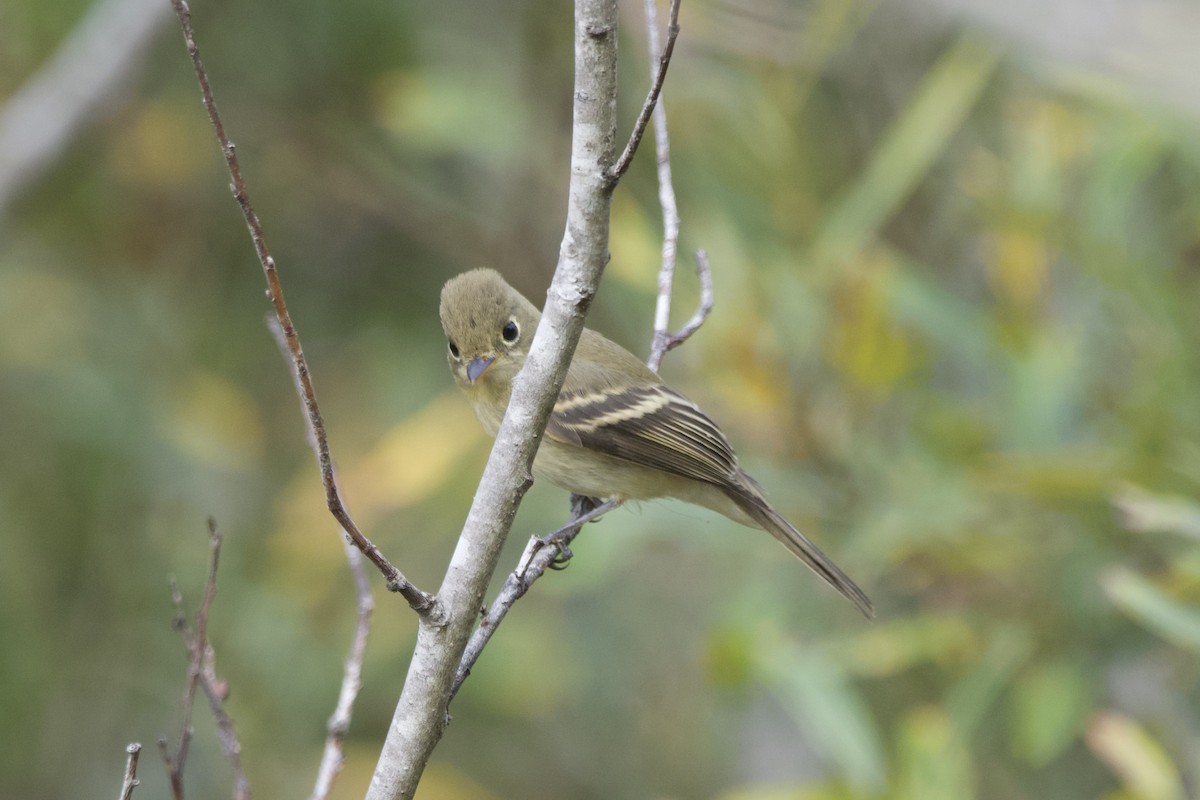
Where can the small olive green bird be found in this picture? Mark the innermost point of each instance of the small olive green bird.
(617, 431)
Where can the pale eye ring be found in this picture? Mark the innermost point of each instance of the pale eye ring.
(454, 350)
(511, 332)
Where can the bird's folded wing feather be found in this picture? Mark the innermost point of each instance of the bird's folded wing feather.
(654, 426)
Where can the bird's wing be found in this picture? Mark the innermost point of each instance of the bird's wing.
(654, 426)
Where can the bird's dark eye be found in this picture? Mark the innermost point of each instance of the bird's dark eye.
(453, 349)
(510, 332)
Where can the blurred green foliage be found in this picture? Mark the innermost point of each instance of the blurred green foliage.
(956, 336)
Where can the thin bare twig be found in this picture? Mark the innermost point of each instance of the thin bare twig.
(334, 756)
(195, 642)
(660, 74)
(174, 772)
(202, 673)
(666, 199)
(133, 749)
(216, 691)
(670, 341)
(664, 341)
(539, 555)
(421, 602)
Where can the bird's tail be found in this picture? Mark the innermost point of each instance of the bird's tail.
(751, 501)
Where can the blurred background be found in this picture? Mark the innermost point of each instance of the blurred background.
(956, 248)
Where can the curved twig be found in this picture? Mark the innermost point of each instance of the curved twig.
(421, 602)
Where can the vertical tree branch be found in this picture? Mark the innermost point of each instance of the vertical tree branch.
(421, 712)
(538, 558)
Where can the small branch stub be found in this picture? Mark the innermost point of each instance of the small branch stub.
(133, 750)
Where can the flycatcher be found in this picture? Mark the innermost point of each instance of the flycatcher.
(616, 431)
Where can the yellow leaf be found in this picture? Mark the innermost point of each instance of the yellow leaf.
(407, 465)
(1017, 266)
(32, 338)
(1136, 758)
(867, 345)
(414, 458)
(213, 421)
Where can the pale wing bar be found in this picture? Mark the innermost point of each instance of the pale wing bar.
(654, 426)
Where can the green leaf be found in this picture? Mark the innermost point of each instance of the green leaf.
(818, 693)
(1049, 705)
(909, 148)
(934, 762)
(1149, 606)
(969, 700)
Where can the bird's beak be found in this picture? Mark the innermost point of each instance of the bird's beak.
(477, 366)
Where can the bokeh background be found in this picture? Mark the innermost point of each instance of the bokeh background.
(956, 249)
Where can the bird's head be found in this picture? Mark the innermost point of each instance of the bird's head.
(488, 327)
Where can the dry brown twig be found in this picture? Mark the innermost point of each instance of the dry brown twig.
(659, 66)
(420, 602)
(133, 750)
(202, 673)
(354, 541)
(216, 691)
(196, 642)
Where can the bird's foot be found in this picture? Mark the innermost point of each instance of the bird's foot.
(583, 510)
(563, 555)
